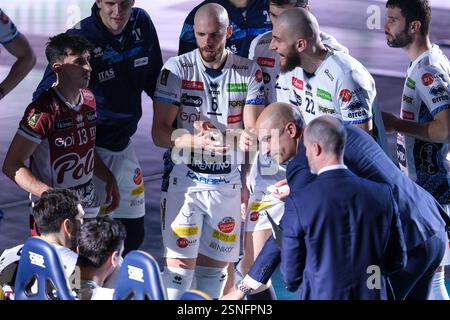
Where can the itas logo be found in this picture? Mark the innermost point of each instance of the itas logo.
(266, 62)
(427, 79)
(137, 179)
(226, 225)
(106, 75)
(192, 85)
(182, 243)
(345, 95)
(297, 83)
(72, 164)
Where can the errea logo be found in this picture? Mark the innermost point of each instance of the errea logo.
(135, 273)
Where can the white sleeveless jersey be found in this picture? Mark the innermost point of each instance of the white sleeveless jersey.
(221, 100)
(426, 92)
(278, 87)
(8, 31)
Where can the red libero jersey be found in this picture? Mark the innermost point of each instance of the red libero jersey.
(66, 138)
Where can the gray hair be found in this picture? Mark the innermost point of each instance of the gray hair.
(329, 133)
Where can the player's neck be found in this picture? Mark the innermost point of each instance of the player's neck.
(239, 3)
(53, 238)
(93, 274)
(71, 94)
(418, 47)
(216, 64)
(311, 61)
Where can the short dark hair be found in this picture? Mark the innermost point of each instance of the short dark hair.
(329, 132)
(58, 46)
(98, 239)
(295, 3)
(53, 208)
(414, 10)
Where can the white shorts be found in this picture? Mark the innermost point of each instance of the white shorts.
(446, 258)
(130, 179)
(206, 222)
(259, 205)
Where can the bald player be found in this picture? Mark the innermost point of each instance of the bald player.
(206, 91)
(423, 222)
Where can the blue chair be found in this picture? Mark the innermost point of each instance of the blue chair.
(139, 278)
(40, 275)
(195, 295)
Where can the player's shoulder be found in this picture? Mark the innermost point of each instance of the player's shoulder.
(241, 63)
(263, 39)
(45, 102)
(347, 67)
(434, 61)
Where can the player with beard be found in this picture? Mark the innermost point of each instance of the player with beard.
(265, 171)
(424, 124)
(207, 88)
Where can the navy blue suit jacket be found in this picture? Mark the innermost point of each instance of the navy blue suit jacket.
(421, 216)
(335, 229)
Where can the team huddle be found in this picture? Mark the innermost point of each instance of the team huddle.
(276, 154)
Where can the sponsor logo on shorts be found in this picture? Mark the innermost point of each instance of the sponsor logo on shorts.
(185, 231)
(266, 62)
(164, 77)
(259, 76)
(137, 179)
(34, 118)
(229, 238)
(345, 95)
(408, 115)
(137, 202)
(427, 79)
(297, 83)
(192, 85)
(259, 206)
(218, 247)
(226, 225)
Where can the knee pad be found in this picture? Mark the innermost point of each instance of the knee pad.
(211, 280)
(177, 281)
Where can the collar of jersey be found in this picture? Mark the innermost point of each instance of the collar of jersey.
(75, 107)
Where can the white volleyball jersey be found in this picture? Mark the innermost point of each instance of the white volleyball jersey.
(186, 83)
(269, 61)
(278, 87)
(8, 31)
(340, 87)
(426, 92)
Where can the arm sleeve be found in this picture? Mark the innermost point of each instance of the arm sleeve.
(434, 90)
(293, 251)
(355, 95)
(169, 83)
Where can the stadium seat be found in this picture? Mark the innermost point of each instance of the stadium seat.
(139, 278)
(40, 275)
(194, 295)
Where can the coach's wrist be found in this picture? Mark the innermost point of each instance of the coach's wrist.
(242, 287)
